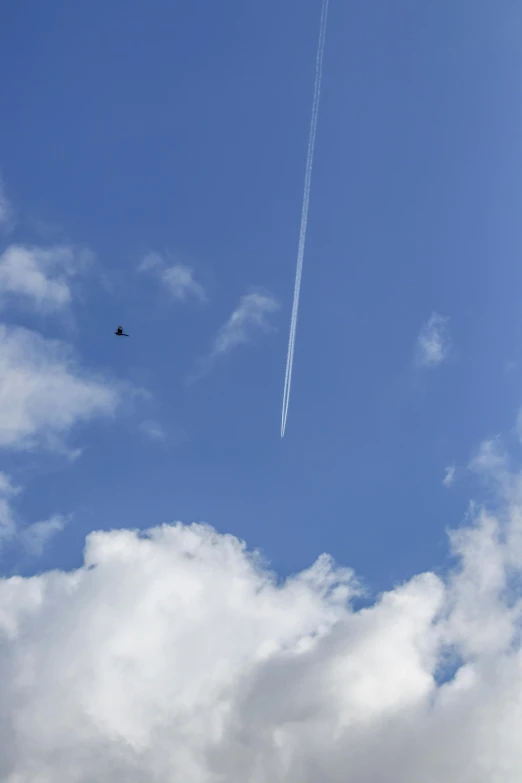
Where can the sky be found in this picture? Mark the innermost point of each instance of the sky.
(182, 592)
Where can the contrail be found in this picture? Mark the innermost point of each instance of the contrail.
(304, 215)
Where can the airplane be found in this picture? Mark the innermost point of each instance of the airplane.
(119, 331)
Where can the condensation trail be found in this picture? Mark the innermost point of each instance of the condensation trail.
(304, 216)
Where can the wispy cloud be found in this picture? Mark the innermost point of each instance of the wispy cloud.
(449, 476)
(40, 275)
(6, 210)
(491, 458)
(35, 537)
(434, 342)
(491, 461)
(43, 392)
(7, 521)
(518, 425)
(152, 429)
(251, 316)
(178, 279)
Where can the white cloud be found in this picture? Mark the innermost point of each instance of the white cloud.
(433, 342)
(518, 426)
(43, 393)
(449, 476)
(41, 275)
(492, 462)
(250, 315)
(152, 429)
(178, 278)
(6, 210)
(7, 520)
(35, 537)
(178, 656)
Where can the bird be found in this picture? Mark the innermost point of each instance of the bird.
(119, 331)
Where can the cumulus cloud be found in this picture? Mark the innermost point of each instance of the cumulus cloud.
(434, 342)
(178, 279)
(40, 275)
(43, 393)
(6, 210)
(176, 654)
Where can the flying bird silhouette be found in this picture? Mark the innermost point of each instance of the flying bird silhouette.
(119, 331)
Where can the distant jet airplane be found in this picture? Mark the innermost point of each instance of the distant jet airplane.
(119, 331)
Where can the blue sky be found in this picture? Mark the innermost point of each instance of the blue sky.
(181, 129)
(151, 175)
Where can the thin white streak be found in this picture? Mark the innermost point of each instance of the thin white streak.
(304, 215)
